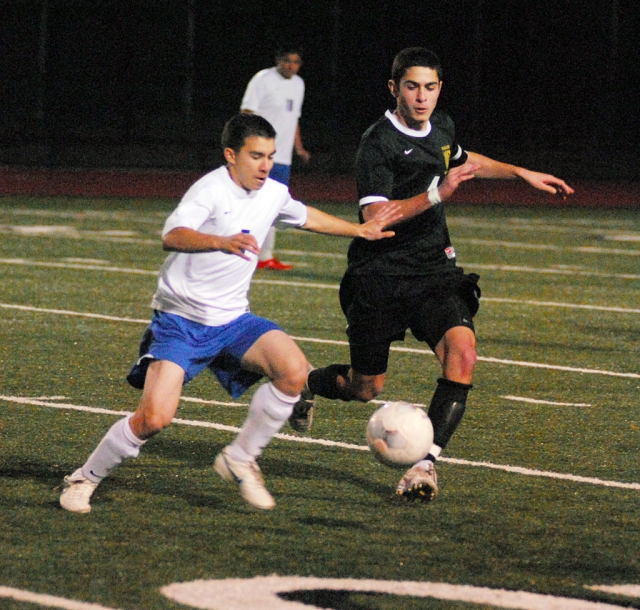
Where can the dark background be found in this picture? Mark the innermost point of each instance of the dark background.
(149, 83)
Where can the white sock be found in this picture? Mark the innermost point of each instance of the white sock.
(118, 444)
(270, 408)
(435, 451)
(266, 252)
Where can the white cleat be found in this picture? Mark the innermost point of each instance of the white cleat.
(77, 492)
(248, 476)
(419, 483)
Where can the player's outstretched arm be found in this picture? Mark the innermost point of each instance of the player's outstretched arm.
(490, 168)
(183, 239)
(320, 222)
(419, 203)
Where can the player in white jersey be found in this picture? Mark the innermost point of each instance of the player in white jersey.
(277, 94)
(202, 320)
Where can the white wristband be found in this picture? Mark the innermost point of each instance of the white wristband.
(434, 195)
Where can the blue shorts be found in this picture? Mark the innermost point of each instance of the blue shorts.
(280, 173)
(195, 347)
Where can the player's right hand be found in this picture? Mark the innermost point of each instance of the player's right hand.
(455, 177)
(240, 244)
(385, 216)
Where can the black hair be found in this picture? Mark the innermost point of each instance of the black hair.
(243, 126)
(414, 56)
(290, 49)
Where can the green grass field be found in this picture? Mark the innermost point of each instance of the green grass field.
(539, 488)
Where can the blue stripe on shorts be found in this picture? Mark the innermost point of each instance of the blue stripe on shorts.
(194, 347)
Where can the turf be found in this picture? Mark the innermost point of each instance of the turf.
(558, 325)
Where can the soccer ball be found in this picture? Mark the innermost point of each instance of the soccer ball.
(399, 434)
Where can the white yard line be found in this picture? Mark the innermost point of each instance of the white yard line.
(486, 267)
(328, 443)
(51, 601)
(409, 350)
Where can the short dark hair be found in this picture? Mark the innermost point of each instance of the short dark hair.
(290, 49)
(243, 126)
(411, 57)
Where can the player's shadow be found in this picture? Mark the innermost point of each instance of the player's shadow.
(30, 471)
(314, 471)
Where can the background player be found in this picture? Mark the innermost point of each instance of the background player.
(201, 317)
(410, 157)
(277, 94)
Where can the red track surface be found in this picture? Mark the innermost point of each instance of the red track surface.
(306, 187)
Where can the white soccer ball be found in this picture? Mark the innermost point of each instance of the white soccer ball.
(399, 434)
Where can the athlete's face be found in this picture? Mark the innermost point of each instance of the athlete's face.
(289, 65)
(416, 96)
(250, 166)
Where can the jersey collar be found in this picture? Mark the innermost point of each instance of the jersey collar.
(415, 133)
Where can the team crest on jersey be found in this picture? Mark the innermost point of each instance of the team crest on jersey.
(450, 252)
(446, 153)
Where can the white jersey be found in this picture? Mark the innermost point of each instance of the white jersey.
(212, 287)
(279, 100)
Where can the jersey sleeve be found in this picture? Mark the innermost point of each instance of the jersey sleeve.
(374, 172)
(252, 95)
(192, 212)
(293, 213)
(458, 154)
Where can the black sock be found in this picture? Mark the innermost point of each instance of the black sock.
(323, 382)
(447, 408)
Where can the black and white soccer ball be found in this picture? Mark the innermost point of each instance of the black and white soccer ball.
(399, 434)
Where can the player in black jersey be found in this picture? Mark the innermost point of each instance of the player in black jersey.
(411, 282)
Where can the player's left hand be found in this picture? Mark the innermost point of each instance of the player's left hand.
(304, 154)
(374, 228)
(547, 182)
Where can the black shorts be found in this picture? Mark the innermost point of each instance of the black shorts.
(380, 309)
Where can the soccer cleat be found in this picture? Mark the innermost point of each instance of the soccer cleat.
(76, 493)
(248, 476)
(274, 265)
(419, 483)
(301, 417)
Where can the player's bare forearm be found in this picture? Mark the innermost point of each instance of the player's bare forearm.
(490, 168)
(183, 239)
(419, 203)
(320, 222)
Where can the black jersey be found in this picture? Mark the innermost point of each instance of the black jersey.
(395, 162)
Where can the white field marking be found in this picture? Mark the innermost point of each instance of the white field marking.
(82, 264)
(51, 601)
(328, 443)
(124, 236)
(262, 593)
(486, 267)
(538, 225)
(313, 254)
(539, 365)
(616, 231)
(626, 590)
(556, 304)
(86, 261)
(217, 403)
(22, 261)
(150, 217)
(526, 246)
(553, 271)
(64, 312)
(72, 233)
(551, 403)
(409, 350)
(633, 238)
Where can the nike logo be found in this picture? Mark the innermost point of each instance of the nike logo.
(408, 152)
